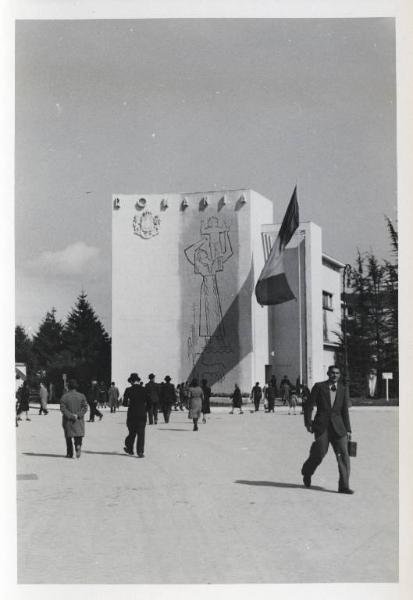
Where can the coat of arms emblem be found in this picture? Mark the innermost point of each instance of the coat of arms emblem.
(147, 225)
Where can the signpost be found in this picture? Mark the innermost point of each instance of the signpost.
(387, 376)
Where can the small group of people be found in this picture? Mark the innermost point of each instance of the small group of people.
(144, 402)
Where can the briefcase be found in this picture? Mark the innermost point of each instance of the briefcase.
(352, 448)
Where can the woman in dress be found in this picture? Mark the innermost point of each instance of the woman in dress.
(196, 397)
(236, 400)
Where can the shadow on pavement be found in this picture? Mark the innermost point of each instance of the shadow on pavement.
(46, 455)
(172, 429)
(106, 453)
(283, 485)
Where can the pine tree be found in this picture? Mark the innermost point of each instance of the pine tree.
(86, 342)
(372, 323)
(48, 342)
(23, 346)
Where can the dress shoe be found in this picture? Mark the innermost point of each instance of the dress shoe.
(128, 451)
(69, 455)
(141, 456)
(345, 491)
(307, 480)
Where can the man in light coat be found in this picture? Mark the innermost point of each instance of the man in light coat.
(73, 406)
(43, 399)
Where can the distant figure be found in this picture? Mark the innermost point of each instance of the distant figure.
(206, 406)
(256, 395)
(92, 400)
(331, 425)
(305, 396)
(43, 399)
(292, 402)
(102, 395)
(273, 383)
(73, 406)
(196, 397)
(270, 394)
(285, 389)
(113, 396)
(181, 399)
(167, 397)
(236, 400)
(23, 397)
(136, 417)
(152, 393)
(372, 383)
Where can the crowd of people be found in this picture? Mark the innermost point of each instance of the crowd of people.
(146, 401)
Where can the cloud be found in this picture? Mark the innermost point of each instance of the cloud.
(75, 259)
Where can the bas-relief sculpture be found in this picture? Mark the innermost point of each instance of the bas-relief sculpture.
(207, 344)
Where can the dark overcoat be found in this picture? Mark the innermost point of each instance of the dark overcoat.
(136, 397)
(337, 415)
(74, 407)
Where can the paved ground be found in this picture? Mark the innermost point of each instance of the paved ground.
(223, 505)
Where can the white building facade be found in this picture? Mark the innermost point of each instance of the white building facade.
(184, 268)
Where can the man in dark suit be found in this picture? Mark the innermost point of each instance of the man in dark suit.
(136, 397)
(331, 425)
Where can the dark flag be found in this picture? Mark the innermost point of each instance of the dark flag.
(272, 286)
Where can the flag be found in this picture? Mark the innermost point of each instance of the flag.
(272, 286)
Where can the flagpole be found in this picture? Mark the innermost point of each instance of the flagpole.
(299, 310)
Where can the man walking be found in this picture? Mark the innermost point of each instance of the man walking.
(256, 395)
(136, 416)
(73, 406)
(152, 393)
(167, 397)
(331, 425)
(92, 400)
(113, 396)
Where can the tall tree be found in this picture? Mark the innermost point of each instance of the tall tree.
(372, 323)
(48, 342)
(23, 346)
(87, 342)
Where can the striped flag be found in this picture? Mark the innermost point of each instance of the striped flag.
(272, 286)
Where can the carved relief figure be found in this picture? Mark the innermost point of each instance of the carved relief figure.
(208, 257)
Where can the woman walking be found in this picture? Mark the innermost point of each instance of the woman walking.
(206, 408)
(196, 397)
(236, 400)
(23, 396)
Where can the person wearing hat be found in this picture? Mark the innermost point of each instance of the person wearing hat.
(167, 397)
(136, 397)
(73, 406)
(152, 393)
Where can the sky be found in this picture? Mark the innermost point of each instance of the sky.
(155, 106)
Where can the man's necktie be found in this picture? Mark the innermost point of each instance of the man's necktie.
(333, 388)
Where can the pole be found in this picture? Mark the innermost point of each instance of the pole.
(299, 310)
(346, 273)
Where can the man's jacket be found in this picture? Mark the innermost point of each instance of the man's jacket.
(337, 415)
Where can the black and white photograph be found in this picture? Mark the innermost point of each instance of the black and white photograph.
(206, 304)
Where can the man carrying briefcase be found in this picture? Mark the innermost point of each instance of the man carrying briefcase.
(331, 425)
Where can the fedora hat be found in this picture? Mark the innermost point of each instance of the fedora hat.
(133, 377)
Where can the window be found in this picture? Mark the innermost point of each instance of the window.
(327, 301)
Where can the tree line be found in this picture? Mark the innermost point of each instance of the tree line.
(80, 347)
(371, 306)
